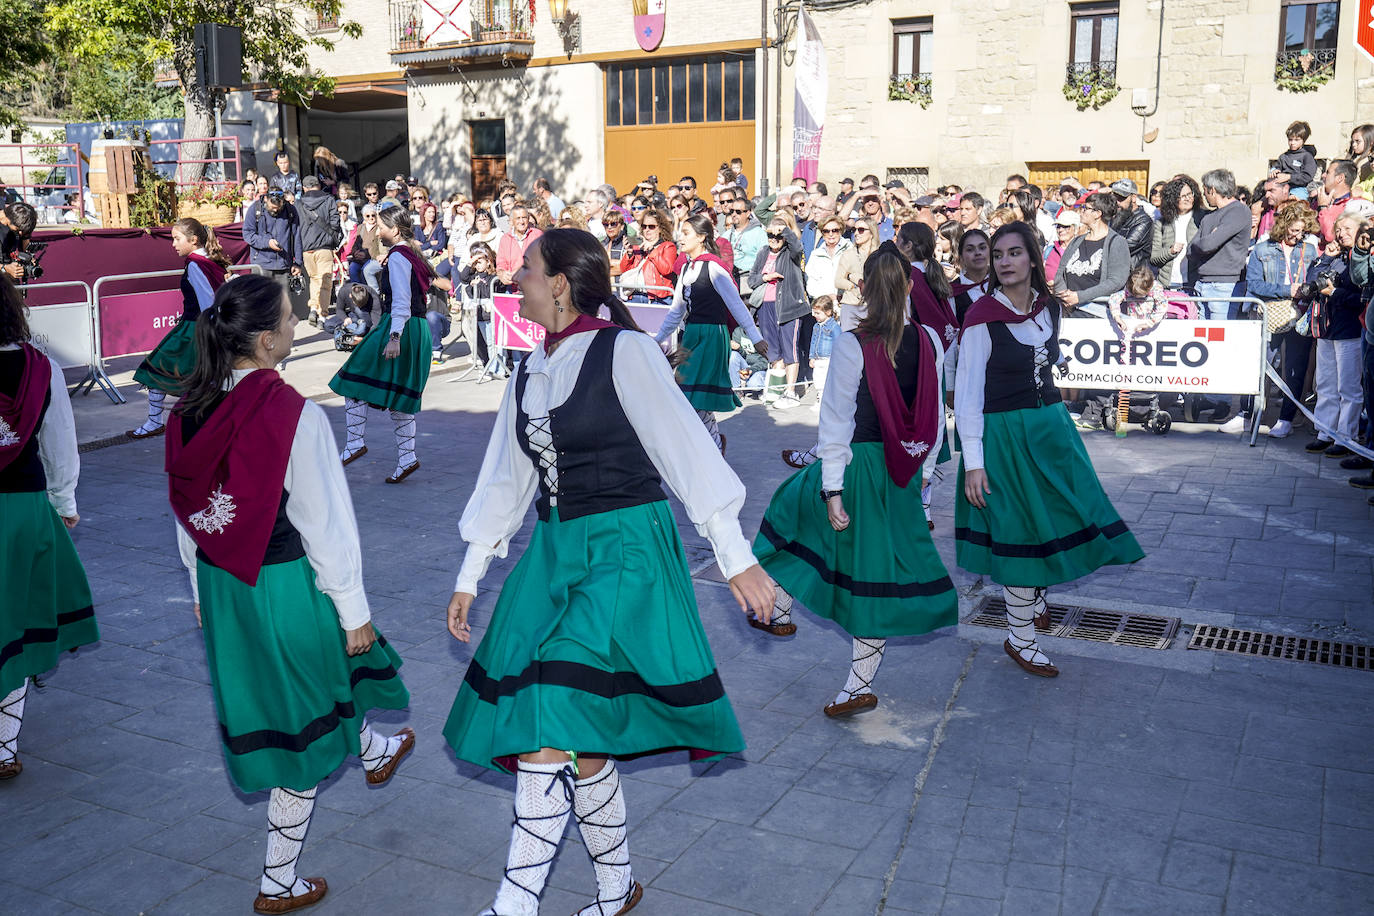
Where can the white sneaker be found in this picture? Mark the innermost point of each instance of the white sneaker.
(1281, 430)
(1236, 424)
(786, 403)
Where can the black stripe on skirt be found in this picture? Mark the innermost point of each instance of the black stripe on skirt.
(1041, 551)
(379, 384)
(270, 738)
(36, 635)
(856, 587)
(608, 684)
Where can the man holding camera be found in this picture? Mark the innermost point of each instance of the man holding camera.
(272, 229)
(17, 222)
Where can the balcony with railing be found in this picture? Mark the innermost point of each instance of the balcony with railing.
(1305, 69)
(483, 30)
(910, 87)
(1090, 84)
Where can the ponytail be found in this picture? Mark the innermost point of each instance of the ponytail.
(225, 333)
(620, 313)
(204, 237)
(579, 257)
(213, 251)
(919, 241)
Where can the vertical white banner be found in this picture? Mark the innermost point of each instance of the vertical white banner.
(808, 116)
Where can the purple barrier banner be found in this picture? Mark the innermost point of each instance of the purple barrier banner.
(137, 322)
(512, 331)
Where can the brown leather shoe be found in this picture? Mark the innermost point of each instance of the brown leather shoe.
(380, 775)
(631, 901)
(1045, 670)
(265, 904)
(397, 478)
(135, 434)
(355, 456)
(861, 703)
(777, 629)
(793, 458)
(1042, 620)
(11, 769)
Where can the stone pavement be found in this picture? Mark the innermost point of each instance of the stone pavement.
(1138, 781)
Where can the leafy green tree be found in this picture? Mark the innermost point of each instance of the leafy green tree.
(278, 38)
(24, 47)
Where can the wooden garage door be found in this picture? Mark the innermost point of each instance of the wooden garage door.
(679, 116)
(1049, 174)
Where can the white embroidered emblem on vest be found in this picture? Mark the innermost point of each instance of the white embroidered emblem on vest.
(915, 449)
(8, 436)
(217, 516)
(949, 333)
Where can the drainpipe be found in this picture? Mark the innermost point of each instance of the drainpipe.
(761, 175)
(1159, 67)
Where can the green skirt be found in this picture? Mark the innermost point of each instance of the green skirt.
(388, 384)
(705, 375)
(290, 698)
(879, 577)
(171, 362)
(1047, 520)
(46, 608)
(595, 646)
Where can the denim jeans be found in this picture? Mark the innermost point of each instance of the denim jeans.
(439, 326)
(1216, 310)
(370, 271)
(753, 383)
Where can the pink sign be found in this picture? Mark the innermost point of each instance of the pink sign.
(649, 27)
(512, 331)
(137, 322)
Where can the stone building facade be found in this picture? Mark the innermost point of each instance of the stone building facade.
(996, 104)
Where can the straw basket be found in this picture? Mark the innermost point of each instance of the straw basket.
(211, 215)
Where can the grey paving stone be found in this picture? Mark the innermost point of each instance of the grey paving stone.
(1033, 876)
(1350, 848)
(963, 905)
(737, 793)
(104, 886)
(1293, 814)
(194, 839)
(1197, 867)
(1083, 891)
(913, 897)
(32, 903)
(1229, 834)
(1140, 897)
(1349, 798)
(1118, 841)
(1279, 886)
(81, 842)
(845, 823)
(216, 895)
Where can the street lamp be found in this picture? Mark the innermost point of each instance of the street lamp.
(568, 24)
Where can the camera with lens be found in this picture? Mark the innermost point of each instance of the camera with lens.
(296, 283)
(29, 257)
(1310, 291)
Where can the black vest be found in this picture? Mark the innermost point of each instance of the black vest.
(909, 355)
(285, 543)
(704, 305)
(190, 302)
(601, 464)
(417, 296)
(1014, 382)
(25, 473)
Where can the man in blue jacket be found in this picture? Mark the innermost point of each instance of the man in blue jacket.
(272, 229)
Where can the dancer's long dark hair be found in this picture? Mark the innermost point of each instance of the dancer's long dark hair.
(1037, 260)
(919, 240)
(582, 259)
(14, 323)
(244, 308)
(886, 284)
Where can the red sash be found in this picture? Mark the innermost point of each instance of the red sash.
(419, 266)
(225, 483)
(19, 413)
(908, 429)
(989, 309)
(582, 322)
(931, 310)
(213, 270)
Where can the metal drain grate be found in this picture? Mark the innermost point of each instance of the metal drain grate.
(1276, 645)
(1094, 624)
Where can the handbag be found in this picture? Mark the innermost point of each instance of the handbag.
(1280, 315)
(1304, 324)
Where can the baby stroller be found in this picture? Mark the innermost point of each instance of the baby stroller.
(1133, 317)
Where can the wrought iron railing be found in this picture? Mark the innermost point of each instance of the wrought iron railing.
(910, 87)
(1090, 84)
(490, 21)
(1305, 69)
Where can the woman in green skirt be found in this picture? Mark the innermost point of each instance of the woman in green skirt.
(594, 650)
(1029, 511)
(266, 527)
(389, 369)
(843, 535)
(166, 369)
(46, 608)
(707, 300)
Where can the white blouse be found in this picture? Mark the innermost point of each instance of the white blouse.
(974, 350)
(667, 426)
(724, 287)
(57, 443)
(839, 402)
(321, 509)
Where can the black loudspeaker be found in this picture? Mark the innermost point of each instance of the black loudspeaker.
(219, 55)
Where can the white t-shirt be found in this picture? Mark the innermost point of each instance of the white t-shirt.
(1180, 238)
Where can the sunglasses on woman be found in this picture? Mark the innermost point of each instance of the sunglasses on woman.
(830, 230)
(861, 229)
(775, 236)
(638, 209)
(649, 226)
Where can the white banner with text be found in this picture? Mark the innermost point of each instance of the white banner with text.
(1218, 357)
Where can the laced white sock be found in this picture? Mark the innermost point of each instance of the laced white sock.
(11, 720)
(156, 400)
(355, 414)
(928, 489)
(376, 750)
(543, 798)
(1023, 603)
(288, 819)
(782, 607)
(708, 419)
(808, 457)
(868, 655)
(405, 439)
(600, 808)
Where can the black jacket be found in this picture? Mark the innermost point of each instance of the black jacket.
(320, 226)
(1136, 227)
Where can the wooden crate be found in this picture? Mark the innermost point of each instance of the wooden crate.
(114, 210)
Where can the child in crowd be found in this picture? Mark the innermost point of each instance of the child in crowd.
(747, 364)
(352, 317)
(1298, 164)
(822, 340)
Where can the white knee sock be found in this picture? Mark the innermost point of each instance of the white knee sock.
(288, 819)
(600, 808)
(782, 607)
(405, 439)
(355, 412)
(868, 655)
(11, 720)
(155, 420)
(708, 419)
(543, 797)
(376, 750)
(928, 489)
(1023, 603)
